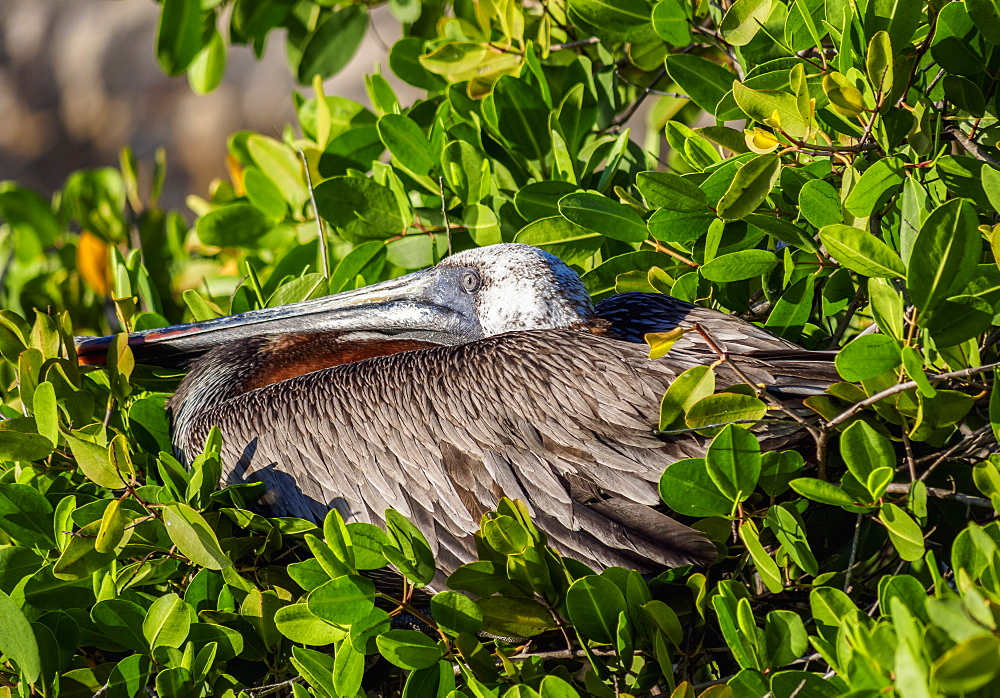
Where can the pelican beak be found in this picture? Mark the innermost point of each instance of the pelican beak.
(421, 305)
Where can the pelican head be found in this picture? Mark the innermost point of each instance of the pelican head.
(474, 294)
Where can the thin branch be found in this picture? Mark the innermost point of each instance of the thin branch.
(969, 442)
(901, 387)
(974, 149)
(561, 654)
(320, 230)
(759, 390)
(845, 321)
(667, 251)
(675, 432)
(444, 213)
(574, 44)
(854, 554)
(938, 493)
(262, 691)
(646, 91)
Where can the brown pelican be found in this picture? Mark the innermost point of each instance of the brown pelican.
(489, 375)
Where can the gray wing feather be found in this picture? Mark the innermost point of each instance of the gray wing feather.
(440, 434)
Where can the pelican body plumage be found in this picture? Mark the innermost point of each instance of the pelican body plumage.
(489, 375)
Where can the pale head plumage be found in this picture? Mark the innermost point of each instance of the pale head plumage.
(524, 288)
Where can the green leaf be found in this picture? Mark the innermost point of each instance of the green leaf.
(281, 165)
(178, 36)
(904, 532)
(17, 641)
(724, 408)
(670, 22)
(317, 668)
(765, 564)
(568, 241)
(233, 225)
(944, 255)
(16, 564)
(456, 613)
(122, 620)
(733, 460)
(968, 666)
(352, 265)
(867, 357)
(361, 209)
(348, 669)
(822, 491)
(735, 266)
(167, 622)
(411, 554)
(343, 600)
(671, 226)
(368, 541)
(299, 624)
(785, 638)
(777, 470)
(968, 97)
(45, 411)
(332, 44)
(338, 538)
(206, 70)
(985, 14)
(786, 523)
(694, 384)
(820, 203)
(751, 185)
(408, 649)
(24, 447)
(845, 98)
(508, 616)
(861, 252)
(593, 604)
(878, 183)
(671, 191)
(193, 537)
(687, 488)
(407, 143)
(81, 559)
(26, 515)
(522, 117)
(771, 107)
(601, 214)
(864, 450)
(743, 19)
(705, 81)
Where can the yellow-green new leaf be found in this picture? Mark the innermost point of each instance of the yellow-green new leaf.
(112, 528)
(743, 20)
(844, 96)
(878, 63)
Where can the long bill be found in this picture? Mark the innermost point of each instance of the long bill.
(417, 306)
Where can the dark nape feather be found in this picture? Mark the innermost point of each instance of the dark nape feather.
(633, 315)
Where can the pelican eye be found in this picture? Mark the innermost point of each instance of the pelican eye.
(471, 282)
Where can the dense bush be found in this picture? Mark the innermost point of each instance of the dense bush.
(862, 194)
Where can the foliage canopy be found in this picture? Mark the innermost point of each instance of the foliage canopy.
(862, 193)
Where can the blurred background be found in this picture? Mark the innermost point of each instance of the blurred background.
(79, 80)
